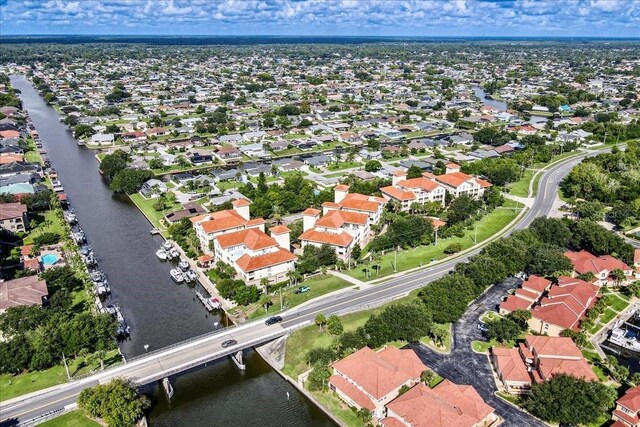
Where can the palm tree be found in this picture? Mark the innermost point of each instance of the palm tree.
(264, 283)
(265, 302)
(618, 276)
(294, 276)
(320, 321)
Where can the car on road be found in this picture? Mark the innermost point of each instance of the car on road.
(482, 327)
(273, 320)
(302, 290)
(229, 343)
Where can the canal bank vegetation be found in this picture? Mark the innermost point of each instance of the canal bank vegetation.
(117, 403)
(71, 419)
(123, 179)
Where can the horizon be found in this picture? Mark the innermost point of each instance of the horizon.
(339, 18)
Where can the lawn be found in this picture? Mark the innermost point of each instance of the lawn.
(49, 222)
(287, 152)
(616, 302)
(27, 382)
(320, 285)
(508, 397)
(521, 187)
(447, 339)
(146, 206)
(488, 226)
(302, 340)
(337, 407)
(343, 165)
(72, 419)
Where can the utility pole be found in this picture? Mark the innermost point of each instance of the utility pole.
(66, 368)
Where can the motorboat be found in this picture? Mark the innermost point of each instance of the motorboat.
(215, 303)
(57, 186)
(207, 303)
(85, 250)
(161, 254)
(167, 245)
(183, 265)
(98, 276)
(70, 217)
(627, 338)
(190, 276)
(173, 253)
(177, 275)
(79, 237)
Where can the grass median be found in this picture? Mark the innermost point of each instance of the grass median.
(485, 228)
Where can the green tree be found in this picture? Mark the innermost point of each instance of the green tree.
(372, 166)
(319, 378)
(570, 401)
(320, 321)
(334, 325)
(117, 402)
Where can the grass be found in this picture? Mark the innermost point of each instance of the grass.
(146, 207)
(302, 340)
(320, 285)
(488, 226)
(343, 165)
(27, 382)
(508, 397)
(333, 404)
(616, 302)
(447, 339)
(72, 419)
(521, 187)
(49, 222)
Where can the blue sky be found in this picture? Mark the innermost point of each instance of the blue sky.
(594, 18)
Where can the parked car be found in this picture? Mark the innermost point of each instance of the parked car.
(229, 343)
(273, 320)
(302, 290)
(482, 327)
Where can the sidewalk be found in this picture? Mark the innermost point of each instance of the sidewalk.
(347, 278)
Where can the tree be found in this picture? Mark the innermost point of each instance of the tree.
(81, 131)
(453, 115)
(462, 208)
(113, 163)
(265, 302)
(618, 276)
(130, 181)
(414, 172)
(427, 376)
(503, 330)
(364, 415)
(545, 259)
(372, 166)
(334, 325)
(117, 402)
(570, 401)
(320, 321)
(319, 377)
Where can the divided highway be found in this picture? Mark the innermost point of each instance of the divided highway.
(183, 356)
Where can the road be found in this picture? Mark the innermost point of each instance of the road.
(188, 355)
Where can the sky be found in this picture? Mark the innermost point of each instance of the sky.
(424, 18)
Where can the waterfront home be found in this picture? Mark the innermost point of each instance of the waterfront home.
(538, 359)
(414, 190)
(24, 291)
(136, 136)
(371, 379)
(20, 168)
(102, 139)
(601, 267)
(372, 206)
(342, 230)
(232, 237)
(13, 217)
(188, 210)
(445, 405)
(153, 188)
(627, 411)
(228, 153)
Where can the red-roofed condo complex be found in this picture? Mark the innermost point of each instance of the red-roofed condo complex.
(627, 411)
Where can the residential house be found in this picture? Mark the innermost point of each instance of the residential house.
(370, 379)
(153, 188)
(24, 291)
(538, 359)
(414, 190)
(627, 411)
(228, 153)
(601, 267)
(13, 217)
(458, 184)
(355, 202)
(232, 237)
(340, 229)
(447, 404)
(188, 210)
(102, 139)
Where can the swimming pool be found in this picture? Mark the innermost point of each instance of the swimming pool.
(49, 259)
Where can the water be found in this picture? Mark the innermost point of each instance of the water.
(160, 312)
(480, 93)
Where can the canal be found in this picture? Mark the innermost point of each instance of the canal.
(160, 312)
(481, 94)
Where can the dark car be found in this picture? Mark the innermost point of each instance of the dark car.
(229, 343)
(273, 320)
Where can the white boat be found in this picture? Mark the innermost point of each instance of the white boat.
(215, 303)
(176, 275)
(161, 254)
(173, 253)
(207, 303)
(167, 245)
(183, 265)
(57, 186)
(626, 338)
(190, 276)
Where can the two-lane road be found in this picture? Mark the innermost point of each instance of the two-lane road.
(198, 351)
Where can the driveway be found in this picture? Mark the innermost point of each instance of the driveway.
(464, 366)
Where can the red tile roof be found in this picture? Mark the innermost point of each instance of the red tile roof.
(584, 262)
(240, 203)
(279, 229)
(252, 238)
(252, 263)
(510, 364)
(397, 193)
(23, 291)
(513, 303)
(311, 212)
(12, 210)
(380, 373)
(352, 391)
(343, 239)
(447, 404)
(631, 401)
(220, 221)
(336, 219)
